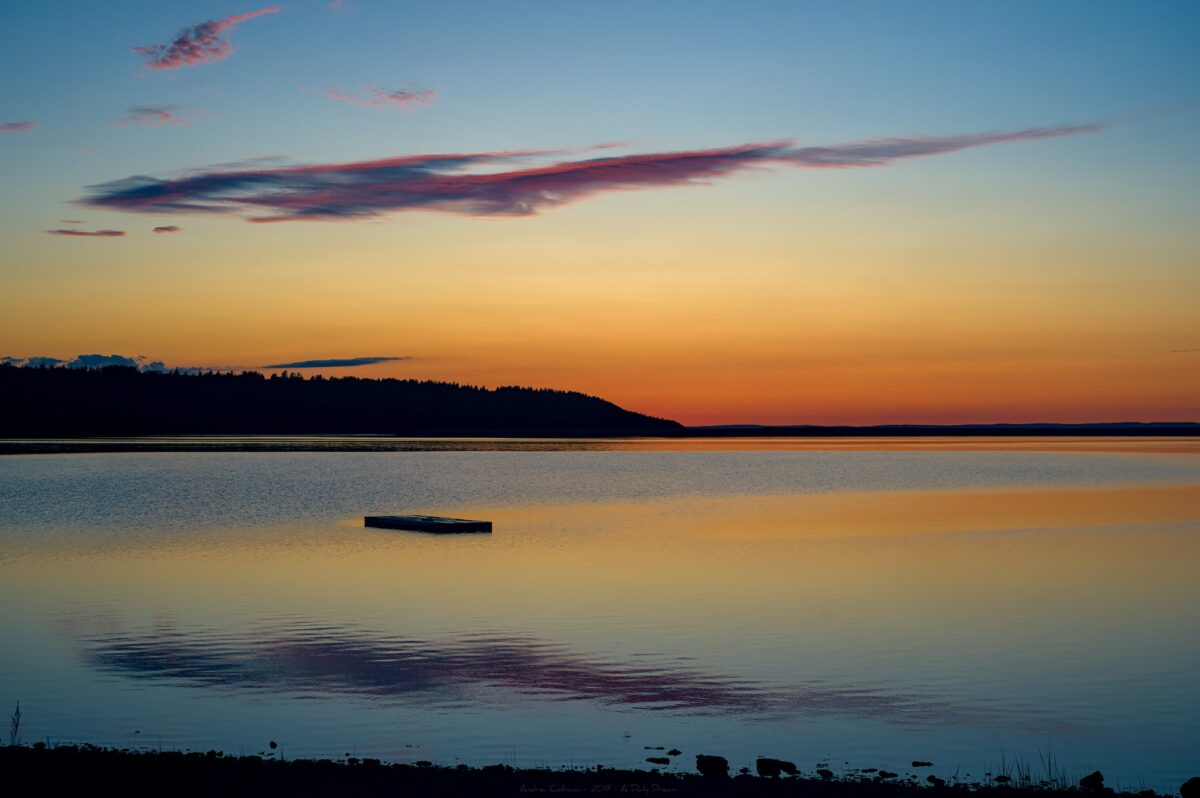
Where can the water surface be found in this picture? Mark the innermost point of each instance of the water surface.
(863, 605)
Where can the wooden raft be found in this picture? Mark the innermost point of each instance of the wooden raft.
(427, 523)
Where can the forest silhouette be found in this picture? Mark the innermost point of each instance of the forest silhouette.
(63, 402)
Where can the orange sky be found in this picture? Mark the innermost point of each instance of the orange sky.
(757, 320)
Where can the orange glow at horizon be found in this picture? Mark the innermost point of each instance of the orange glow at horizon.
(757, 322)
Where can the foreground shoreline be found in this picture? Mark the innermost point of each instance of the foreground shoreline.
(57, 769)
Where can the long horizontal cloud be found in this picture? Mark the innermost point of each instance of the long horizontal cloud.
(199, 44)
(17, 127)
(440, 182)
(87, 233)
(334, 362)
(376, 97)
(154, 115)
(168, 228)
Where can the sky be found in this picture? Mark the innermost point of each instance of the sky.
(753, 212)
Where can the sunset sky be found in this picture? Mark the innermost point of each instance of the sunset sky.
(786, 212)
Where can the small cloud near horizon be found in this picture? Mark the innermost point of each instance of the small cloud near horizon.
(445, 183)
(152, 115)
(17, 127)
(201, 43)
(378, 97)
(332, 363)
(38, 361)
(86, 233)
(91, 361)
(168, 228)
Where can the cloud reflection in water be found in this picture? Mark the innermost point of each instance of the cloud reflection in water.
(326, 660)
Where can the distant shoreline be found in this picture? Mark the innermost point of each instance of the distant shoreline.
(1121, 429)
(691, 439)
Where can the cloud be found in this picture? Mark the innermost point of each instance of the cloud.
(71, 221)
(94, 361)
(32, 362)
(334, 363)
(199, 44)
(17, 127)
(139, 362)
(87, 233)
(102, 361)
(153, 115)
(376, 97)
(443, 183)
(168, 228)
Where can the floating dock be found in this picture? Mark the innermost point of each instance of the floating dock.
(427, 523)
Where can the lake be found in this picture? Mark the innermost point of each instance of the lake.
(983, 604)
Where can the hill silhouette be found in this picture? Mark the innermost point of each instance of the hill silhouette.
(66, 402)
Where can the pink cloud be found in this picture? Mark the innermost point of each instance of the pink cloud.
(199, 44)
(17, 127)
(376, 97)
(88, 233)
(152, 115)
(444, 183)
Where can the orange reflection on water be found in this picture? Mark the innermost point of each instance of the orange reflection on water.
(773, 555)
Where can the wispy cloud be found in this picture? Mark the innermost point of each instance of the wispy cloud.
(17, 127)
(72, 221)
(443, 183)
(168, 228)
(87, 233)
(154, 115)
(333, 363)
(201, 43)
(377, 97)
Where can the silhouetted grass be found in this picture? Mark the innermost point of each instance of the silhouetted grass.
(85, 769)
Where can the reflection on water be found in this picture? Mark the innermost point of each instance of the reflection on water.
(332, 660)
(875, 606)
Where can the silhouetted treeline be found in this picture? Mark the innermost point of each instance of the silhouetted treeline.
(62, 402)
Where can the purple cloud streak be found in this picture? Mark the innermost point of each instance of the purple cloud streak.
(17, 127)
(153, 115)
(440, 183)
(377, 97)
(199, 44)
(88, 233)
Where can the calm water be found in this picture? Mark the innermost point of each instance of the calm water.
(859, 604)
